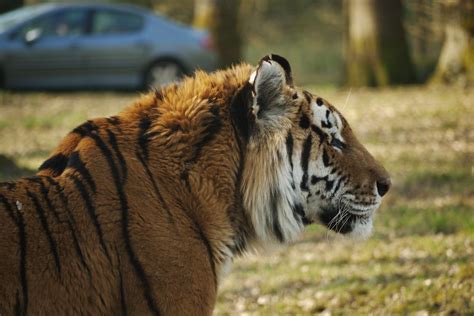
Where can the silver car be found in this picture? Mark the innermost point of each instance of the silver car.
(97, 46)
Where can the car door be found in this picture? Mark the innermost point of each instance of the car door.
(45, 53)
(114, 52)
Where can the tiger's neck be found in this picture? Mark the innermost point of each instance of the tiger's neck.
(274, 204)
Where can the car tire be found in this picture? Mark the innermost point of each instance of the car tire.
(162, 73)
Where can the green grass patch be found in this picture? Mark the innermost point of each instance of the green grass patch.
(409, 220)
(3, 124)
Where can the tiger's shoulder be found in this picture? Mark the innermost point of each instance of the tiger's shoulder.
(177, 119)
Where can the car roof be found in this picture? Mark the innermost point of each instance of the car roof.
(119, 6)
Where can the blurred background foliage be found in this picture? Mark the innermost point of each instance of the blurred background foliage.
(336, 42)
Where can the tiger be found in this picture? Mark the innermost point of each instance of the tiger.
(143, 212)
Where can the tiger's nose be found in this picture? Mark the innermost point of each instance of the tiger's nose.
(383, 186)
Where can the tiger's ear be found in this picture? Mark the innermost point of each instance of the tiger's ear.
(269, 80)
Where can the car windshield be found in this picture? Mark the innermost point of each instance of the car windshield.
(14, 17)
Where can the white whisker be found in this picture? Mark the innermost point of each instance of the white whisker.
(347, 99)
(344, 223)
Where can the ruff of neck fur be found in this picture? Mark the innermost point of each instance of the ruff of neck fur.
(269, 196)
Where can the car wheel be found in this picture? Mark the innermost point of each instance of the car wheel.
(162, 73)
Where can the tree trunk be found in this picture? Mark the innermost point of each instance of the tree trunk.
(8, 5)
(456, 61)
(376, 49)
(221, 18)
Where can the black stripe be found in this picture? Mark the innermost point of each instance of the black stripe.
(8, 185)
(44, 223)
(17, 304)
(155, 187)
(113, 120)
(71, 222)
(128, 246)
(338, 184)
(143, 126)
(329, 185)
(85, 128)
(185, 177)
(123, 305)
(241, 233)
(91, 212)
(304, 121)
(240, 112)
(44, 192)
(320, 133)
(208, 246)
(212, 129)
(325, 158)
(316, 179)
(118, 153)
(8, 208)
(289, 149)
(298, 210)
(305, 162)
(209, 253)
(124, 211)
(308, 96)
(56, 164)
(23, 279)
(326, 124)
(276, 227)
(77, 164)
(200, 234)
(18, 220)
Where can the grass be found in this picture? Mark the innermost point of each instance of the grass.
(421, 257)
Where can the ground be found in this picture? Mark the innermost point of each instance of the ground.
(421, 257)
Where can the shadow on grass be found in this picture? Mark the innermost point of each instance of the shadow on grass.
(9, 170)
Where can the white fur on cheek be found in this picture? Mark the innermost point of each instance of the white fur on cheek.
(361, 230)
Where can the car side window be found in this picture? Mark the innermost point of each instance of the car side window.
(70, 23)
(62, 24)
(43, 26)
(115, 22)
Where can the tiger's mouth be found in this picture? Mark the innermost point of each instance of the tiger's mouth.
(347, 220)
(336, 219)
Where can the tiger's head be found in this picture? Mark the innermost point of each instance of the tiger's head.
(303, 162)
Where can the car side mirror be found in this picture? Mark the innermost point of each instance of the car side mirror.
(32, 36)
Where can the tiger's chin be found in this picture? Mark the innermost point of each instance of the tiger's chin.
(356, 227)
(362, 229)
